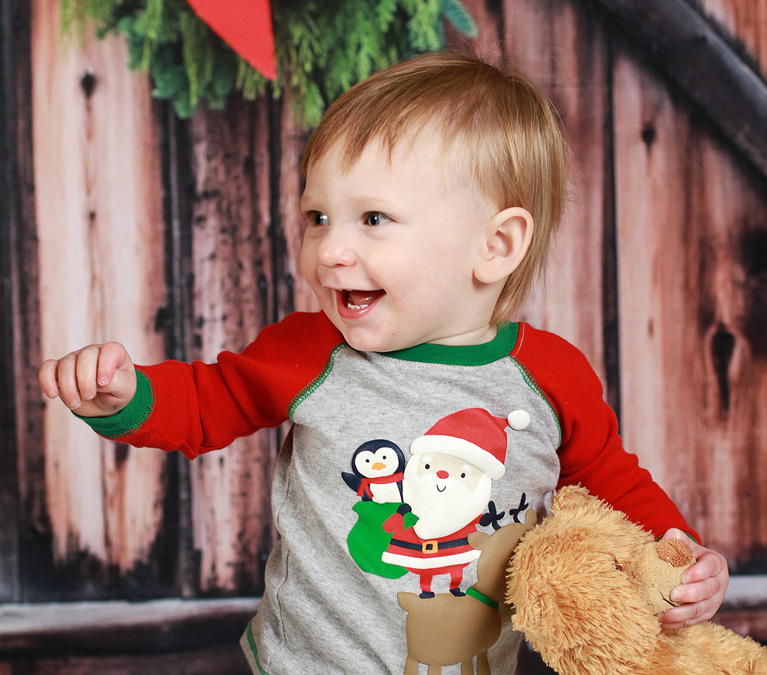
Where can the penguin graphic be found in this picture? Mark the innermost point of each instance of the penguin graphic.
(378, 468)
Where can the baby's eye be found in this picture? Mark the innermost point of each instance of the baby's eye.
(316, 218)
(376, 218)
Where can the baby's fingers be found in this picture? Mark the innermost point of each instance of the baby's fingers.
(116, 376)
(702, 591)
(47, 378)
(86, 363)
(65, 380)
(696, 592)
(82, 375)
(688, 614)
(708, 565)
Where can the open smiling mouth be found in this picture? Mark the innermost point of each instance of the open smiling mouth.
(352, 302)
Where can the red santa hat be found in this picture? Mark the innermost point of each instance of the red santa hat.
(473, 435)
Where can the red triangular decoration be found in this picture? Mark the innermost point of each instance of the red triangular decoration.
(246, 26)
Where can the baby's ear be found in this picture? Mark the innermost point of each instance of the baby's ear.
(508, 238)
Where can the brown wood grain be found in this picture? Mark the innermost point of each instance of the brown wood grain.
(746, 22)
(15, 226)
(100, 229)
(703, 66)
(210, 661)
(104, 628)
(572, 301)
(293, 292)
(691, 238)
(232, 301)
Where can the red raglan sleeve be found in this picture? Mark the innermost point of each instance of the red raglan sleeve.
(198, 407)
(591, 452)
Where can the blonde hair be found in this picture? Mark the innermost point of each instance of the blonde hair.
(500, 126)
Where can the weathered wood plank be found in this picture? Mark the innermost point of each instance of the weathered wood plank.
(746, 20)
(99, 215)
(76, 628)
(176, 321)
(220, 659)
(293, 292)
(49, 632)
(692, 241)
(24, 313)
(579, 300)
(232, 301)
(9, 275)
(694, 56)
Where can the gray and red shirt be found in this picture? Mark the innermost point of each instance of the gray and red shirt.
(363, 517)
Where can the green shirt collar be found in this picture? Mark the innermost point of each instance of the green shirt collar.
(464, 355)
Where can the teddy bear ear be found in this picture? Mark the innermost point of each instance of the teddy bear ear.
(572, 497)
(537, 614)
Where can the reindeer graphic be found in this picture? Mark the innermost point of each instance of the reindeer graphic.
(446, 629)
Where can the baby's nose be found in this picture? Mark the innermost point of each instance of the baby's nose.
(443, 474)
(334, 249)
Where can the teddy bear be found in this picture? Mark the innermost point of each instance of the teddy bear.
(586, 585)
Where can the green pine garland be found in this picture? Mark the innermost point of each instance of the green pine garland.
(322, 46)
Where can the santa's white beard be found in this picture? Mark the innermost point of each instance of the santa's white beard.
(442, 513)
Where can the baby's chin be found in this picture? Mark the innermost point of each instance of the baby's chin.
(363, 340)
(372, 344)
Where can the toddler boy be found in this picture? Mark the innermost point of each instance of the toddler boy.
(421, 414)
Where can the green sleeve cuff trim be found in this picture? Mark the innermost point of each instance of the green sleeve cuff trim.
(463, 355)
(131, 417)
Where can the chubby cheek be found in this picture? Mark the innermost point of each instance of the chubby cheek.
(308, 262)
(309, 270)
(409, 282)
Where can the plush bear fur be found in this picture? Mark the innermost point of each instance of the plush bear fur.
(586, 585)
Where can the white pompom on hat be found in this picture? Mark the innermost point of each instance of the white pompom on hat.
(473, 435)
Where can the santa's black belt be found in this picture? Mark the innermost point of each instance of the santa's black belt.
(431, 546)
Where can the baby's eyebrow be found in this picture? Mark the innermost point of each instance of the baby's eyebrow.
(368, 201)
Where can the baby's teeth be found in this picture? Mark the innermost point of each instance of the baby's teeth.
(351, 306)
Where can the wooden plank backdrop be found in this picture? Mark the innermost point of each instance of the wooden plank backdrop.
(692, 222)
(100, 231)
(182, 238)
(746, 21)
(231, 254)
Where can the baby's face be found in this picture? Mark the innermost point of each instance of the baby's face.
(390, 247)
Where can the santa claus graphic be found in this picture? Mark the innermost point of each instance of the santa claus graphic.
(447, 486)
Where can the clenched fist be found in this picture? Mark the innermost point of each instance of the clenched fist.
(95, 381)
